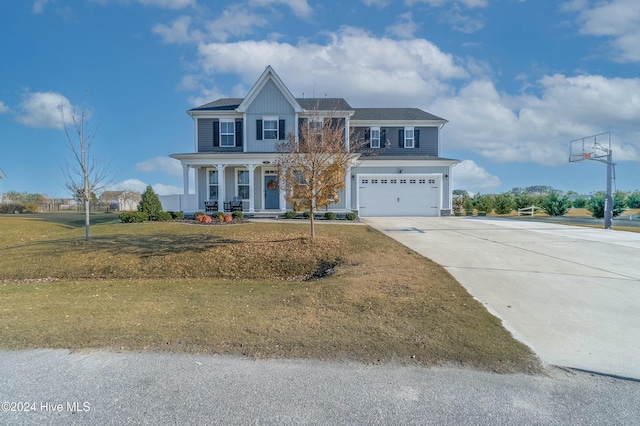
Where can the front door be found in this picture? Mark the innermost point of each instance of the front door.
(271, 193)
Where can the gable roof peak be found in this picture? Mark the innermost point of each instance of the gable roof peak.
(269, 74)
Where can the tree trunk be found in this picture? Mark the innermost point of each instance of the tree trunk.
(86, 218)
(311, 219)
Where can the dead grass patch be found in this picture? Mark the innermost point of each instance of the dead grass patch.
(243, 290)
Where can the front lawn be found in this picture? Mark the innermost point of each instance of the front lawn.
(258, 289)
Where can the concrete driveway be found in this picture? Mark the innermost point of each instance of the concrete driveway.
(572, 294)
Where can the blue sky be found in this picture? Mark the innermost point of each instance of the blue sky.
(517, 79)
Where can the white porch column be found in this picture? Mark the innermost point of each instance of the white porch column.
(347, 190)
(196, 205)
(221, 186)
(252, 169)
(185, 179)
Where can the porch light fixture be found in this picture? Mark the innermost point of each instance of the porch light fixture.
(266, 162)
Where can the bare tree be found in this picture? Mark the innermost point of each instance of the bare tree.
(312, 167)
(83, 174)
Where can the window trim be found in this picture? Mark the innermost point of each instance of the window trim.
(371, 138)
(232, 134)
(209, 184)
(411, 139)
(238, 184)
(276, 130)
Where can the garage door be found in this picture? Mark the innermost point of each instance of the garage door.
(399, 195)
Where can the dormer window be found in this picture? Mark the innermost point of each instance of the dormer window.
(409, 137)
(227, 133)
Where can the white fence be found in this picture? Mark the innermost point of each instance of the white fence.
(528, 211)
(179, 203)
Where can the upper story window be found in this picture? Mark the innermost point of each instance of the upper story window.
(409, 140)
(270, 128)
(227, 133)
(375, 137)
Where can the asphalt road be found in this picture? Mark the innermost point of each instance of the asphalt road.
(168, 389)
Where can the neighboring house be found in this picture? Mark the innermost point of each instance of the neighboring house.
(121, 200)
(400, 173)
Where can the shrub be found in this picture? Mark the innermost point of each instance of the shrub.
(596, 205)
(306, 214)
(221, 217)
(483, 203)
(11, 208)
(217, 215)
(330, 216)
(150, 203)
(633, 202)
(133, 217)
(228, 217)
(30, 208)
(238, 215)
(580, 202)
(163, 216)
(553, 205)
(196, 214)
(203, 218)
(350, 216)
(177, 215)
(290, 214)
(504, 203)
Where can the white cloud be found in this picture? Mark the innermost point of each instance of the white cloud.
(469, 176)
(168, 4)
(38, 6)
(42, 109)
(414, 72)
(299, 7)
(459, 22)
(538, 129)
(3, 108)
(618, 20)
(178, 31)
(377, 3)
(236, 21)
(404, 28)
(137, 185)
(471, 4)
(167, 165)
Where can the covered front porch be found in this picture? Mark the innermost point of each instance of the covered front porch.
(231, 184)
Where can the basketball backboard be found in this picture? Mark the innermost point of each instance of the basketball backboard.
(596, 147)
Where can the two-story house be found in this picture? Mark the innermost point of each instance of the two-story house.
(400, 173)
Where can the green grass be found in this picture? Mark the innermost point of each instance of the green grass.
(243, 290)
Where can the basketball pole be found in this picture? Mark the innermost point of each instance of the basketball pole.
(608, 200)
(595, 151)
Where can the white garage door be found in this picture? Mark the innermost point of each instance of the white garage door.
(399, 195)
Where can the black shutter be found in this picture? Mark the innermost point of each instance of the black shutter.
(216, 133)
(259, 130)
(239, 132)
(367, 137)
(383, 138)
(401, 138)
(282, 132)
(416, 138)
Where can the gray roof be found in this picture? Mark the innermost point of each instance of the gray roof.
(224, 104)
(324, 104)
(393, 114)
(366, 156)
(320, 104)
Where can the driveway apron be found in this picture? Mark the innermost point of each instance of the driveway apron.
(572, 294)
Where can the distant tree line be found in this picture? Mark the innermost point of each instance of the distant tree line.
(551, 201)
